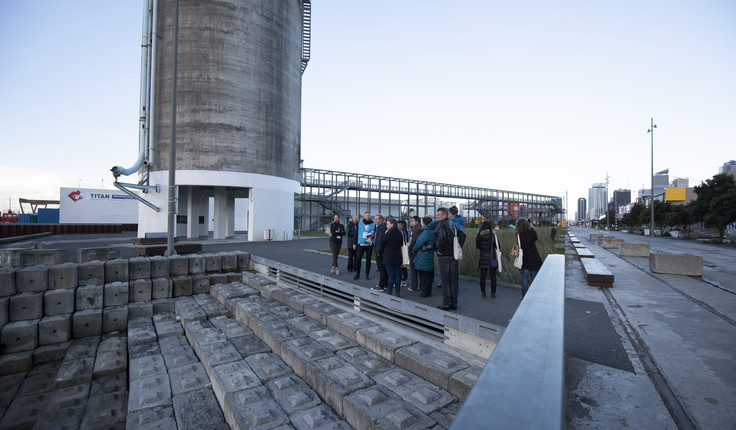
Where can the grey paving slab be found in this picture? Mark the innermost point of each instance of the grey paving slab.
(331, 339)
(24, 411)
(293, 394)
(141, 334)
(187, 378)
(378, 407)
(68, 397)
(145, 366)
(284, 312)
(231, 328)
(166, 325)
(366, 361)
(62, 418)
(254, 409)
(306, 324)
(11, 383)
(249, 345)
(149, 392)
(205, 415)
(212, 307)
(110, 362)
(292, 297)
(74, 372)
(225, 292)
(113, 343)
(321, 310)
(268, 366)
(321, 417)
(173, 342)
(297, 352)
(274, 335)
(83, 348)
(232, 377)
(177, 357)
(348, 323)
(144, 349)
(105, 411)
(16, 362)
(257, 280)
(154, 418)
(334, 379)
(424, 396)
(429, 363)
(382, 341)
(189, 310)
(220, 352)
(49, 353)
(113, 383)
(40, 380)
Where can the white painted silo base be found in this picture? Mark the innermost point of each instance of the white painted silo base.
(270, 204)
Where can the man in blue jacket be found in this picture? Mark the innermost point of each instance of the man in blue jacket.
(366, 233)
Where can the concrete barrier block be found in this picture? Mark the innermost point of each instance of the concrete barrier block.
(159, 267)
(149, 392)
(18, 364)
(196, 264)
(140, 309)
(19, 336)
(298, 352)
(158, 417)
(611, 242)
(88, 297)
(243, 260)
(140, 290)
(100, 254)
(319, 417)
(87, 323)
(229, 261)
(161, 288)
(26, 306)
(634, 250)
(379, 407)
(595, 237)
(91, 273)
(429, 363)
(232, 377)
(293, 394)
(381, 341)
(366, 361)
(217, 278)
(178, 265)
(58, 302)
(116, 271)
(200, 284)
(116, 294)
(676, 264)
(254, 408)
(32, 279)
(206, 416)
(139, 268)
(7, 281)
(268, 366)
(63, 276)
(421, 394)
(114, 319)
(55, 329)
(213, 263)
(182, 286)
(46, 257)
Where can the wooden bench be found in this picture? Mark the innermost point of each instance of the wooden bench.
(584, 253)
(578, 245)
(596, 273)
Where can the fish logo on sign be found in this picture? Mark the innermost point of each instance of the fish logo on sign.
(75, 195)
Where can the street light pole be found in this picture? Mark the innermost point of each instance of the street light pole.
(651, 224)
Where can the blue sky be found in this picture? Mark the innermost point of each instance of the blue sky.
(532, 96)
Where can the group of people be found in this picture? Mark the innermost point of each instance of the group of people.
(423, 238)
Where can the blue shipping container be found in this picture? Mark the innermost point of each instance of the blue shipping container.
(24, 218)
(48, 216)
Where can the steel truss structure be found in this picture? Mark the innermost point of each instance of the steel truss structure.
(325, 193)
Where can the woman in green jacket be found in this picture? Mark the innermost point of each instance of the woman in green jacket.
(424, 260)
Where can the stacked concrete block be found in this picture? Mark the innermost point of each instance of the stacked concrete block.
(429, 363)
(58, 302)
(91, 273)
(293, 394)
(335, 379)
(4, 310)
(218, 278)
(213, 263)
(116, 271)
(379, 407)
(114, 318)
(55, 329)
(182, 286)
(7, 281)
(100, 254)
(196, 264)
(140, 290)
(87, 323)
(159, 267)
(116, 294)
(243, 259)
(229, 261)
(89, 297)
(382, 341)
(63, 276)
(19, 336)
(139, 268)
(32, 279)
(25, 306)
(421, 394)
(161, 288)
(178, 265)
(201, 284)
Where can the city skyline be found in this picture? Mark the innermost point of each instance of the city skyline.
(536, 98)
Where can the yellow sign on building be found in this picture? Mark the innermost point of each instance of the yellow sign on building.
(675, 194)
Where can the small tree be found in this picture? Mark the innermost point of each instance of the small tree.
(716, 202)
(681, 215)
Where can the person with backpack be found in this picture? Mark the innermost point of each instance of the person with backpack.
(486, 242)
(444, 235)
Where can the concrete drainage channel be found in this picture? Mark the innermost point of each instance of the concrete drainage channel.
(253, 354)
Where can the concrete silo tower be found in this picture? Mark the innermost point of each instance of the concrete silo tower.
(238, 117)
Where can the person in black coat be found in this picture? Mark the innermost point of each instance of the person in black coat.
(485, 241)
(352, 240)
(390, 244)
(531, 260)
(337, 231)
(380, 231)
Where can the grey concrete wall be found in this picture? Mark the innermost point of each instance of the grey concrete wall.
(239, 86)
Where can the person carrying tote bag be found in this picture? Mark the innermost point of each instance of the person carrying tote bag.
(531, 261)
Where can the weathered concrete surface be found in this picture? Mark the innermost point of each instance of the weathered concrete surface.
(676, 264)
(634, 249)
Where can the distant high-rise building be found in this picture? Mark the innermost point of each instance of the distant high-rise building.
(582, 209)
(621, 198)
(681, 182)
(729, 168)
(597, 200)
